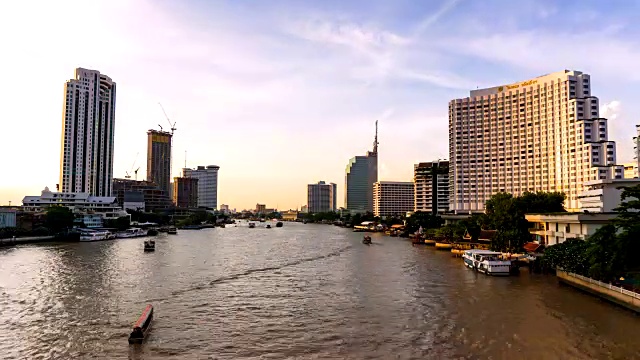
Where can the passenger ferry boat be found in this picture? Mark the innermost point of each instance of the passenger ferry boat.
(94, 235)
(131, 233)
(468, 258)
(490, 263)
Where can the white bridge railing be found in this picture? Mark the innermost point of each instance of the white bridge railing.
(605, 285)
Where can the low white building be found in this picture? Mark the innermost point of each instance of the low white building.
(92, 210)
(551, 229)
(604, 195)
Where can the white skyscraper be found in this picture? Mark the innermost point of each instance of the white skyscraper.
(207, 184)
(543, 134)
(88, 121)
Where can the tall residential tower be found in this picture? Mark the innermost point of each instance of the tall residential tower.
(360, 175)
(431, 180)
(543, 134)
(322, 197)
(207, 184)
(88, 121)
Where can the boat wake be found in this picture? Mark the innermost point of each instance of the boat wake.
(252, 271)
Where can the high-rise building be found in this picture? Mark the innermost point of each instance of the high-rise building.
(392, 198)
(88, 122)
(431, 180)
(322, 197)
(159, 159)
(543, 134)
(185, 192)
(636, 151)
(207, 184)
(361, 173)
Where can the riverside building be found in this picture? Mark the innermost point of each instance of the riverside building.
(431, 180)
(322, 197)
(159, 159)
(543, 134)
(207, 184)
(360, 175)
(88, 121)
(392, 198)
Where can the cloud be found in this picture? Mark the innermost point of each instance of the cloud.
(619, 129)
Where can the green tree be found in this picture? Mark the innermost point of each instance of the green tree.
(601, 253)
(425, 219)
(506, 214)
(570, 255)
(59, 218)
(121, 223)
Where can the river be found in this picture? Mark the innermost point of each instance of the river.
(301, 291)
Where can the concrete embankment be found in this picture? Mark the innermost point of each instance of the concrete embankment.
(26, 240)
(611, 293)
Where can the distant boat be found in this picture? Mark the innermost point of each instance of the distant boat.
(172, 230)
(268, 226)
(252, 225)
(279, 224)
(149, 245)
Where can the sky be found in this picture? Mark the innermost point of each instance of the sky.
(281, 94)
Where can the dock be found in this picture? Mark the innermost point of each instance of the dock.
(26, 240)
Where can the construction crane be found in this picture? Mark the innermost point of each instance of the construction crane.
(128, 176)
(173, 128)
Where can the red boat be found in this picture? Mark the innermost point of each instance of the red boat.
(142, 326)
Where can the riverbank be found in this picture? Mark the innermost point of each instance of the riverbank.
(26, 240)
(613, 294)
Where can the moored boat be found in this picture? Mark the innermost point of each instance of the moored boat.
(149, 245)
(490, 263)
(468, 257)
(172, 230)
(252, 225)
(429, 242)
(94, 235)
(142, 326)
(442, 245)
(279, 224)
(131, 233)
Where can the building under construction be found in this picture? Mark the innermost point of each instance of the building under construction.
(155, 198)
(159, 159)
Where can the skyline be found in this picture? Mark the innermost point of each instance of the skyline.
(261, 89)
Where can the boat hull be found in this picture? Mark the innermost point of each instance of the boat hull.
(142, 326)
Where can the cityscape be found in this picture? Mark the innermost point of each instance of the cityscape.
(521, 223)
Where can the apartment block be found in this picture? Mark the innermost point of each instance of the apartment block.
(185, 192)
(207, 184)
(88, 123)
(542, 134)
(431, 181)
(392, 198)
(159, 159)
(322, 197)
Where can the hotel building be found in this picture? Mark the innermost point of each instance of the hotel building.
(392, 198)
(431, 180)
(207, 184)
(88, 121)
(185, 192)
(543, 134)
(322, 197)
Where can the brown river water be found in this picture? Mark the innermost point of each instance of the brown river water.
(298, 292)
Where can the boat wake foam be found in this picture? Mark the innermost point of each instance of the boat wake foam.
(252, 271)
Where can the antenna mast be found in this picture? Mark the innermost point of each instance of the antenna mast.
(375, 140)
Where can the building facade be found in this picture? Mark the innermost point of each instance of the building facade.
(604, 195)
(552, 229)
(207, 184)
(88, 124)
(431, 180)
(543, 134)
(92, 210)
(154, 197)
(159, 159)
(391, 198)
(185, 192)
(322, 197)
(360, 175)
(630, 170)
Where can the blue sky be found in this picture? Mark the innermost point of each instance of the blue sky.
(281, 93)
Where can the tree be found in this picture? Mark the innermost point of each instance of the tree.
(425, 219)
(570, 256)
(59, 218)
(601, 253)
(505, 213)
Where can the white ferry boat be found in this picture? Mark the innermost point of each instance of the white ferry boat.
(468, 259)
(131, 233)
(94, 235)
(492, 264)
